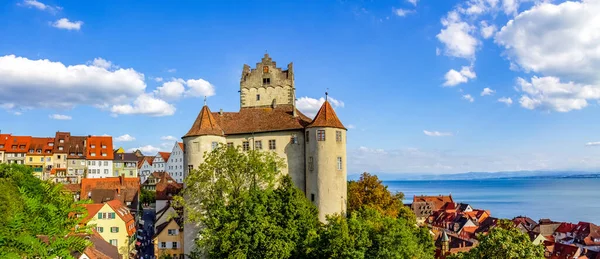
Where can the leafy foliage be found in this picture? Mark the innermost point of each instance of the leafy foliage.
(147, 196)
(370, 192)
(37, 217)
(504, 241)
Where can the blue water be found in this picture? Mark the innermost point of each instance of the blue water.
(570, 200)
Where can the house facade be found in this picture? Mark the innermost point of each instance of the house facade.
(168, 237)
(114, 223)
(99, 157)
(145, 168)
(125, 164)
(160, 161)
(175, 163)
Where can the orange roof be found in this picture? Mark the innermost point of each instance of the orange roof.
(165, 155)
(40, 146)
(18, 144)
(326, 117)
(3, 140)
(261, 119)
(92, 210)
(124, 214)
(120, 184)
(99, 148)
(437, 201)
(180, 145)
(205, 124)
(64, 136)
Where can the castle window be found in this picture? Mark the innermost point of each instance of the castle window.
(190, 168)
(245, 145)
(265, 69)
(258, 97)
(307, 136)
(294, 139)
(310, 163)
(320, 135)
(312, 197)
(214, 145)
(339, 163)
(258, 145)
(266, 81)
(338, 136)
(272, 145)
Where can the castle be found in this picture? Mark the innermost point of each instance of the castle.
(313, 149)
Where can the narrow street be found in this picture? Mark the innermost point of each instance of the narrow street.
(147, 248)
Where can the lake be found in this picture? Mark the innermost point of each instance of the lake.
(570, 200)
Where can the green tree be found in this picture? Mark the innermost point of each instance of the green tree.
(367, 233)
(370, 192)
(504, 241)
(37, 217)
(242, 213)
(147, 196)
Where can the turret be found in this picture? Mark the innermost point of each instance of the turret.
(266, 84)
(204, 135)
(326, 173)
(445, 243)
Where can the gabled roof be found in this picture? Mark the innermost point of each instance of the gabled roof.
(147, 159)
(180, 145)
(100, 248)
(164, 155)
(99, 148)
(205, 124)
(41, 145)
(437, 202)
(76, 147)
(123, 212)
(65, 137)
(92, 210)
(326, 117)
(125, 157)
(18, 144)
(103, 189)
(565, 227)
(261, 119)
(3, 140)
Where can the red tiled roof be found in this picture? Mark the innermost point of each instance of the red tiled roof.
(129, 187)
(180, 145)
(92, 210)
(64, 136)
(205, 124)
(565, 227)
(562, 251)
(165, 156)
(41, 145)
(75, 147)
(18, 144)
(326, 117)
(124, 214)
(438, 202)
(102, 148)
(3, 140)
(261, 119)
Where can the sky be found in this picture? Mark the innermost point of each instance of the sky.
(423, 86)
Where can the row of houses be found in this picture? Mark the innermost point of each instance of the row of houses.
(68, 159)
(456, 227)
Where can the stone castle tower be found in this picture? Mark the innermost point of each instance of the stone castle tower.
(314, 149)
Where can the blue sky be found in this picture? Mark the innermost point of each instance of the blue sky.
(409, 76)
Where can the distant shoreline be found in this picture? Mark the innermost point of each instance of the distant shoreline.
(524, 175)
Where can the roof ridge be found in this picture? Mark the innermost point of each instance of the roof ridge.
(326, 117)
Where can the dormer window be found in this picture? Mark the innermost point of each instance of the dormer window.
(93, 146)
(60, 148)
(39, 151)
(31, 151)
(266, 81)
(103, 146)
(61, 141)
(51, 144)
(93, 154)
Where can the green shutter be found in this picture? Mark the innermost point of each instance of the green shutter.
(99, 215)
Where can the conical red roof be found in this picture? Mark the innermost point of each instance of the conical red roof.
(205, 124)
(326, 118)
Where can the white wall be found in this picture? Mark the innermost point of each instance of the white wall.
(99, 168)
(175, 164)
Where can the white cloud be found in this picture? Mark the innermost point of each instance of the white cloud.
(145, 104)
(508, 101)
(168, 138)
(402, 12)
(510, 6)
(457, 37)
(437, 133)
(487, 91)
(59, 86)
(199, 87)
(556, 40)
(589, 144)
(103, 63)
(414, 2)
(468, 97)
(351, 126)
(310, 106)
(64, 23)
(59, 117)
(171, 70)
(171, 90)
(548, 93)
(17, 113)
(146, 150)
(454, 77)
(125, 138)
(40, 6)
(158, 79)
(487, 31)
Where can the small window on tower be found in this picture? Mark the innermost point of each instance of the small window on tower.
(321, 135)
(312, 197)
(265, 69)
(258, 97)
(266, 81)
